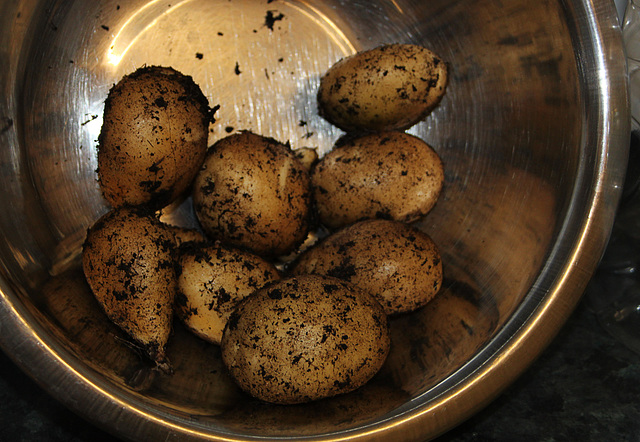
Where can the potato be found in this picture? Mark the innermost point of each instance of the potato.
(305, 338)
(390, 87)
(308, 156)
(397, 264)
(390, 175)
(183, 235)
(127, 261)
(153, 137)
(253, 192)
(212, 280)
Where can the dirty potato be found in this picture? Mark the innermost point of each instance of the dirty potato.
(127, 261)
(389, 87)
(390, 175)
(153, 137)
(397, 264)
(305, 338)
(253, 192)
(212, 280)
(308, 156)
(183, 235)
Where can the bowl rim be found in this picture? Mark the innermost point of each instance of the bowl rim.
(598, 44)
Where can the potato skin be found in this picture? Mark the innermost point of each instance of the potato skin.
(396, 263)
(212, 280)
(389, 175)
(253, 192)
(389, 87)
(153, 138)
(182, 235)
(305, 338)
(127, 262)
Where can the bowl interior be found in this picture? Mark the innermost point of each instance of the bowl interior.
(509, 131)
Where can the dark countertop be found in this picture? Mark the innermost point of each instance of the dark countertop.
(585, 386)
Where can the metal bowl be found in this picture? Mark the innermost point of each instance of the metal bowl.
(533, 132)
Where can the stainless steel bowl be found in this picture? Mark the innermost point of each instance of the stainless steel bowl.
(533, 133)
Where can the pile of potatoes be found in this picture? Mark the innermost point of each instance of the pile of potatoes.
(319, 326)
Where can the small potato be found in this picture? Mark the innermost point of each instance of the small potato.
(305, 338)
(390, 175)
(396, 263)
(386, 88)
(253, 192)
(183, 235)
(308, 156)
(127, 261)
(153, 137)
(212, 280)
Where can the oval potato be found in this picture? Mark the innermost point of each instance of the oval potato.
(253, 192)
(305, 338)
(390, 175)
(396, 263)
(127, 261)
(212, 280)
(389, 87)
(153, 138)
